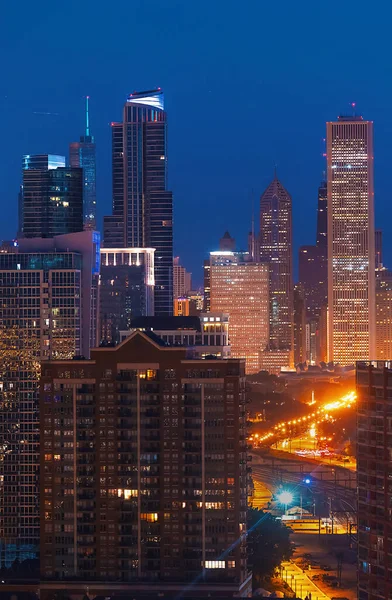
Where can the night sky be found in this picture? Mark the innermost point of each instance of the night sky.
(247, 84)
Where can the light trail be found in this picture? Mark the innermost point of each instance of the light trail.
(316, 417)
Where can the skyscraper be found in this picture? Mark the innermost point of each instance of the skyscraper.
(48, 310)
(240, 288)
(378, 248)
(182, 279)
(126, 290)
(351, 260)
(322, 217)
(82, 155)
(39, 162)
(166, 434)
(276, 250)
(142, 205)
(52, 202)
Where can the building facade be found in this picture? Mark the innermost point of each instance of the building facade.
(351, 244)
(182, 280)
(276, 250)
(52, 202)
(241, 289)
(142, 206)
(167, 437)
(374, 449)
(126, 289)
(82, 155)
(49, 295)
(39, 162)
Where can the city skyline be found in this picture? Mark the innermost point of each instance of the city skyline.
(223, 173)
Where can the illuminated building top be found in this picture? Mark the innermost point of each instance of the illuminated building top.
(151, 98)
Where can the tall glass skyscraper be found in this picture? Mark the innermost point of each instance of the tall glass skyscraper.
(142, 206)
(52, 202)
(38, 162)
(276, 249)
(82, 155)
(351, 246)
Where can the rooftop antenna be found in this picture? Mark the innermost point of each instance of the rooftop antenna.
(353, 105)
(276, 171)
(87, 119)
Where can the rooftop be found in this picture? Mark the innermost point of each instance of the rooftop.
(150, 98)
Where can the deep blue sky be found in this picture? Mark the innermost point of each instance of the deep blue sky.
(247, 84)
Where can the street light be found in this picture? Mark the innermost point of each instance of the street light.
(285, 497)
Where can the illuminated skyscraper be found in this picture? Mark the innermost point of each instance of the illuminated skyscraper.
(48, 310)
(182, 279)
(142, 205)
(82, 154)
(276, 249)
(52, 202)
(38, 162)
(351, 245)
(240, 288)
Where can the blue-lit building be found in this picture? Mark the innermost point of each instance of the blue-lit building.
(142, 205)
(38, 162)
(49, 292)
(82, 154)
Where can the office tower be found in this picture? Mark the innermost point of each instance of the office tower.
(142, 206)
(166, 435)
(82, 155)
(126, 290)
(299, 325)
(276, 250)
(322, 218)
(38, 162)
(207, 284)
(351, 277)
(182, 280)
(52, 202)
(378, 247)
(240, 288)
(49, 294)
(374, 449)
(227, 242)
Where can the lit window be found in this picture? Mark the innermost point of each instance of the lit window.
(149, 517)
(215, 564)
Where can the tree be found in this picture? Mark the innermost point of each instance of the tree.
(268, 544)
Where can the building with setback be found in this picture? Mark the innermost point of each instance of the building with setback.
(276, 250)
(240, 288)
(126, 289)
(351, 242)
(152, 452)
(48, 311)
(142, 206)
(82, 155)
(374, 450)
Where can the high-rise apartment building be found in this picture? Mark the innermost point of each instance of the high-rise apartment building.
(52, 202)
(207, 284)
(152, 452)
(374, 451)
(126, 290)
(182, 280)
(276, 250)
(351, 245)
(240, 288)
(82, 155)
(142, 206)
(48, 310)
(383, 314)
(38, 162)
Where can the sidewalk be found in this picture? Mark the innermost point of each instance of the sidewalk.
(300, 583)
